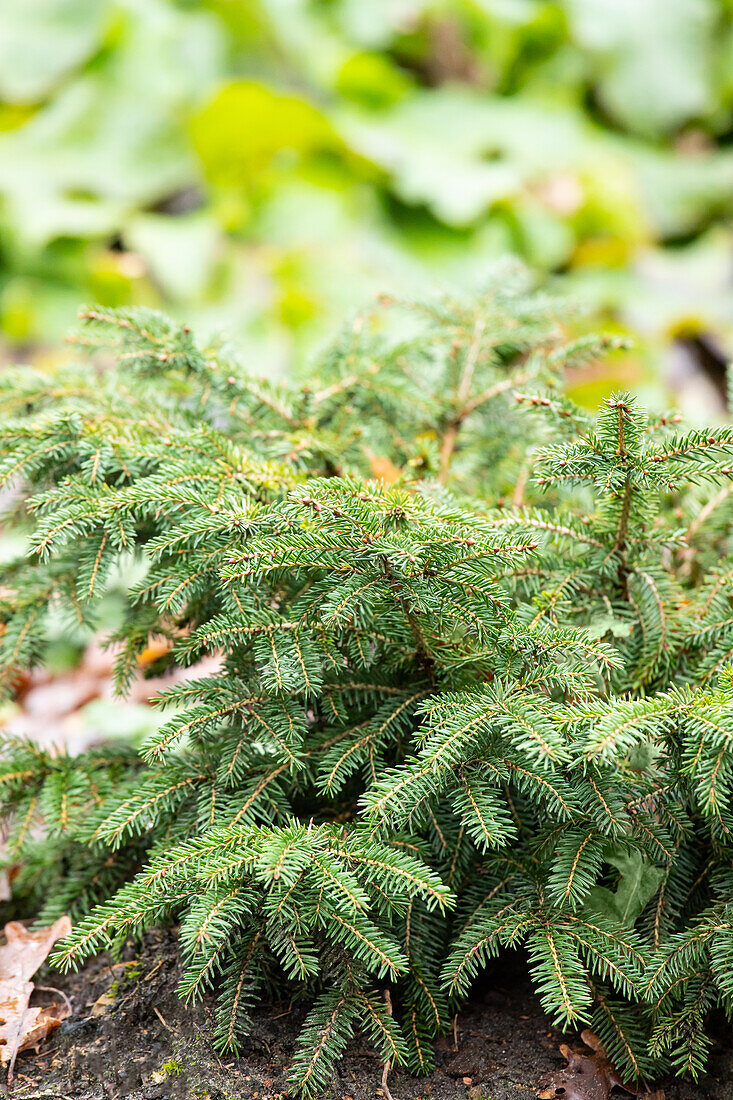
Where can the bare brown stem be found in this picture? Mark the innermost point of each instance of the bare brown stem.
(462, 394)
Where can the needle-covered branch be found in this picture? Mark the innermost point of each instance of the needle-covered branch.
(433, 727)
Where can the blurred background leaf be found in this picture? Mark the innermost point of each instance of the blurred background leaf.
(262, 168)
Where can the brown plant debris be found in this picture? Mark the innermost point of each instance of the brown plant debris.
(588, 1076)
(23, 1027)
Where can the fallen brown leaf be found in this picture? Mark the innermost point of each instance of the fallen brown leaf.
(157, 648)
(48, 1018)
(382, 467)
(20, 1025)
(103, 1005)
(50, 709)
(587, 1076)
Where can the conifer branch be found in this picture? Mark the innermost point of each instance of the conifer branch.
(438, 729)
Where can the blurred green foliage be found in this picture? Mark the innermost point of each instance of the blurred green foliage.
(262, 167)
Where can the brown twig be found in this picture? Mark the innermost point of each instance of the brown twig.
(148, 976)
(52, 989)
(385, 1087)
(466, 405)
(44, 1095)
(164, 1022)
(464, 388)
(518, 494)
(705, 511)
(388, 1064)
(287, 1012)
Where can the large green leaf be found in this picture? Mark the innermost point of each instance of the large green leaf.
(181, 252)
(247, 125)
(653, 57)
(638, 884)
(111, 140)
(43, 40)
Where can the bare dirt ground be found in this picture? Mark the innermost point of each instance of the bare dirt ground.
(130, 1036)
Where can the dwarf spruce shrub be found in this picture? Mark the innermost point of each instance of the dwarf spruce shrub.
(475, 686)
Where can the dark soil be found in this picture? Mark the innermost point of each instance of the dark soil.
(140, 1041)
